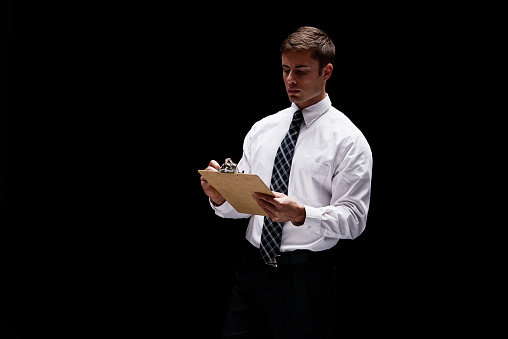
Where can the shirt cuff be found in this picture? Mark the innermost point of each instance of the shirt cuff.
(222, 209)
(313, 221)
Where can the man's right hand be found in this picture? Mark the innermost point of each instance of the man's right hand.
(214, 196)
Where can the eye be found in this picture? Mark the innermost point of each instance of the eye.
(285, 70)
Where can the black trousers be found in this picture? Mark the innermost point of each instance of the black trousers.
(293, 301)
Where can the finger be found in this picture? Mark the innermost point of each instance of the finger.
(214, 164)
(278, 195)
(270, 215)
(205, 184)
(265, 197)
(269, 212)
(266, 206)
(269, 209)
(208, 188)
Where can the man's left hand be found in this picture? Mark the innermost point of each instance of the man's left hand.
(281, 208)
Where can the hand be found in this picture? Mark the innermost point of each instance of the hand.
(281, 208)
(214, 196)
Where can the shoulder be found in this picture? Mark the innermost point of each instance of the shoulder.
(345, 131)
(270, 121)
(340, 120)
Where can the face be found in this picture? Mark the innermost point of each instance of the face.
(304, 85)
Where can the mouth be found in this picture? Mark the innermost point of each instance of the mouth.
(292, 91)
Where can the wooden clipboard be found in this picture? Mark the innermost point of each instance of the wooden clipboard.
(238, 189)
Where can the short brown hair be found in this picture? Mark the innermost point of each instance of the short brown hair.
(311, 38)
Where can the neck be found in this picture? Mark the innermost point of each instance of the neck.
(312, 101)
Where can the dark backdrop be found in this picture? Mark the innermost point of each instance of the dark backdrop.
(113, 230)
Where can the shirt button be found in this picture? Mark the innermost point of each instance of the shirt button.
(309, 227)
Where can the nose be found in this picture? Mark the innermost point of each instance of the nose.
(290, 78)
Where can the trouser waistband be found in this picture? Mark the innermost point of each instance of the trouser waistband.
(295, 257)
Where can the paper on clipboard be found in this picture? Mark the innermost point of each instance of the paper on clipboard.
(238, 189)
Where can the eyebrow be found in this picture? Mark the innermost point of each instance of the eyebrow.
(298, 66)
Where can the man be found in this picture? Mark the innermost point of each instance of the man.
(319, 166)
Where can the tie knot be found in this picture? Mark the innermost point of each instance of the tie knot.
(298, 116)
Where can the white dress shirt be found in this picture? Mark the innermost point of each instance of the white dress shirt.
(330, 175)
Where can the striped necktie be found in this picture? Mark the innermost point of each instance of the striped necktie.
(272, 231)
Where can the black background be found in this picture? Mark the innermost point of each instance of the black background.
(110, 231)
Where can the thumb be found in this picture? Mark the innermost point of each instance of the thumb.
(214, 164)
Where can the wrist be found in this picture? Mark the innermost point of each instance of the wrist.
(301, 216)
(217, 202)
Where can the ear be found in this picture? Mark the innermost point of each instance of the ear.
(327, 71)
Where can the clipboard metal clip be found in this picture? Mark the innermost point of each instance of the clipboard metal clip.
(229, 167)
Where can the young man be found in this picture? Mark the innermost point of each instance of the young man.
(319, 166)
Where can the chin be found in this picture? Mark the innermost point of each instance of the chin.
(295, 98)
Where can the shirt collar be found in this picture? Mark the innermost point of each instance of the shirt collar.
(313, 112)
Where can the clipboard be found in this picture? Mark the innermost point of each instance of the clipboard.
(238, 189)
